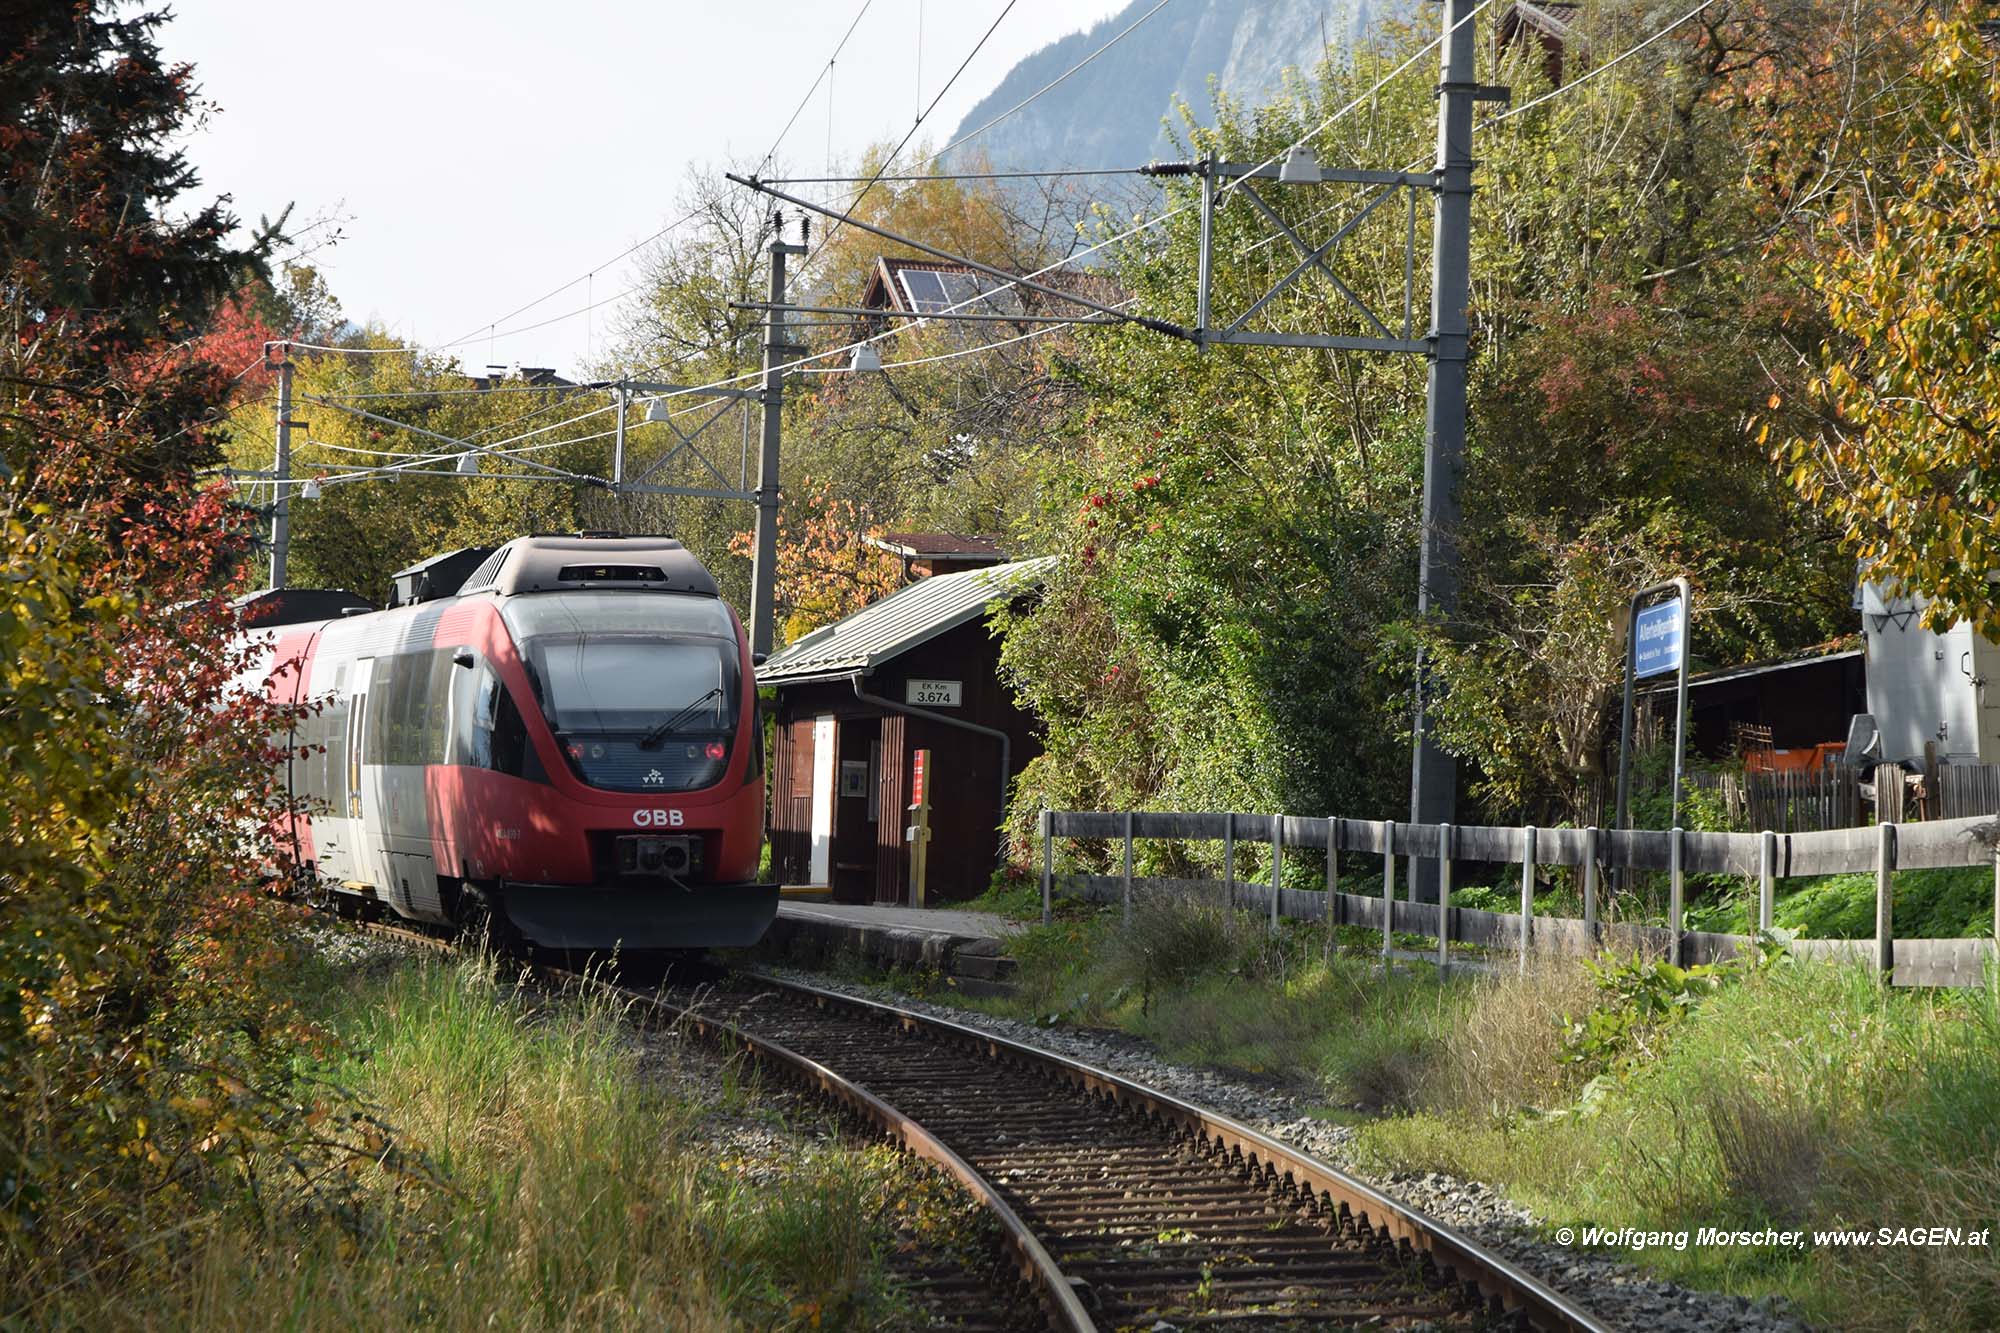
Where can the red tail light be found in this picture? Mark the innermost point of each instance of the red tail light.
(716, 749)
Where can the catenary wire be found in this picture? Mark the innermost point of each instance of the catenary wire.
(1595, 70)
(1511, 112)
(486, 329)
(951, 176)
(1115, 238)
(1051, 85)
(824, 71)
(908, 134)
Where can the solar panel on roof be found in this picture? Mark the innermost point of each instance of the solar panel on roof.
(924, 288)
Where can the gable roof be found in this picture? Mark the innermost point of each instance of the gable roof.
(929, 545)
(899, 622)
(891, 287)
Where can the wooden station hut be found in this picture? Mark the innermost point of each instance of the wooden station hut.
(916, 670)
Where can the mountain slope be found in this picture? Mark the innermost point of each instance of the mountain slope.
(1110, 114)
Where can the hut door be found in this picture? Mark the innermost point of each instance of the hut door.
(890, 798)
(824, 766)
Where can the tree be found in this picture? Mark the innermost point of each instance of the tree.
(973, 219)
(1905, 455)
(102, 281)
(1244, 523)
(390, 492)
(826, 568)
(143, 1032)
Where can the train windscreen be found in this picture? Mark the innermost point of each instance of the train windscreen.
(640, 688)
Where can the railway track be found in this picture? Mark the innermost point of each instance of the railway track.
(1122, 1207)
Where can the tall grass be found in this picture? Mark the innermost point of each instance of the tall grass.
(1800, 1096)
(560, 1188)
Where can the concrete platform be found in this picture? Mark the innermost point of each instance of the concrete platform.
(969, 947)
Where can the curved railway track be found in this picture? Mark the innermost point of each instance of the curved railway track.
(1121, 1206)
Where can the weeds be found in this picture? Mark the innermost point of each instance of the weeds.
(569, 1190)
(1757, 1093)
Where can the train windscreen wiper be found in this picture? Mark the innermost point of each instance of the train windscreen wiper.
(673, 724)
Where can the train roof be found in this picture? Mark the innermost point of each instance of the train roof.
(297, 606)
(588, 560)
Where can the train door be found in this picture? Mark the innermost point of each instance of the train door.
(333, 828)
(399, 734)
(361, 845)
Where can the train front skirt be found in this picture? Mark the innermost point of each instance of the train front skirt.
(709, 916)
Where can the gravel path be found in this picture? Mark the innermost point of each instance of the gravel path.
(1616, 1291)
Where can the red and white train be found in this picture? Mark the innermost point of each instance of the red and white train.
(570, 741)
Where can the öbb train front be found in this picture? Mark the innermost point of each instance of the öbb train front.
(571, 741)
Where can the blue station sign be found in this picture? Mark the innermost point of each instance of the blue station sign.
(1659, 638)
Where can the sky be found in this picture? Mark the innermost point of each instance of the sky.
(476, 156)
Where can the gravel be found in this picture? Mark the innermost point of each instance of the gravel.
(1616, 1291)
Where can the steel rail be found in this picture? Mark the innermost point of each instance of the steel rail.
(1037, 1267)
(1281, 1166)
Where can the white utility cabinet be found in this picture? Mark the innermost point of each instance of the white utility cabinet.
(1929, 687)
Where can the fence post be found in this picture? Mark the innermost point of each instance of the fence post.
(1048, 866)
(1590, 884)
(1767, 879)
(1127, 898)
(1229, 861)
(1277, 861)
(1674, 861)
(1333, 881)
(1527, 892)
(1885, 904)
(1444, 896)
(1388, 884)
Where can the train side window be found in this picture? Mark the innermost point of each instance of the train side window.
(329, 764)
(484, 715)
(437, 707)
(336, 752)
(410, 674)
(312, 739)
(411, 671)
(462, 724)
(381, 693)
(491, 732)
(511, 750)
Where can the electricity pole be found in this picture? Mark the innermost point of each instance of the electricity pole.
(1433, 775)
(777, 352)
(281, 509)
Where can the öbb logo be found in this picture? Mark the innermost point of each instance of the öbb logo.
(658, 818)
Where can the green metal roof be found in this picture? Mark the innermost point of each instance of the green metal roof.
(899, 622)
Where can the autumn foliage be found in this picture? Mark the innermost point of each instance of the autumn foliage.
(145, 1037)
(826, 568)
(1905, 453)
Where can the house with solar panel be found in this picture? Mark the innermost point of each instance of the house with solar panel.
(918, 670)
(929, 286)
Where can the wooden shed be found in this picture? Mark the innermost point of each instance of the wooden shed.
(917, 670)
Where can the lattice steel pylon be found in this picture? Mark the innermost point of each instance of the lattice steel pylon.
(1221, 179)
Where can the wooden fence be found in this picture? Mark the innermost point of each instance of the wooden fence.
(1787, 802)
(1836, 798)
(1766, 857)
